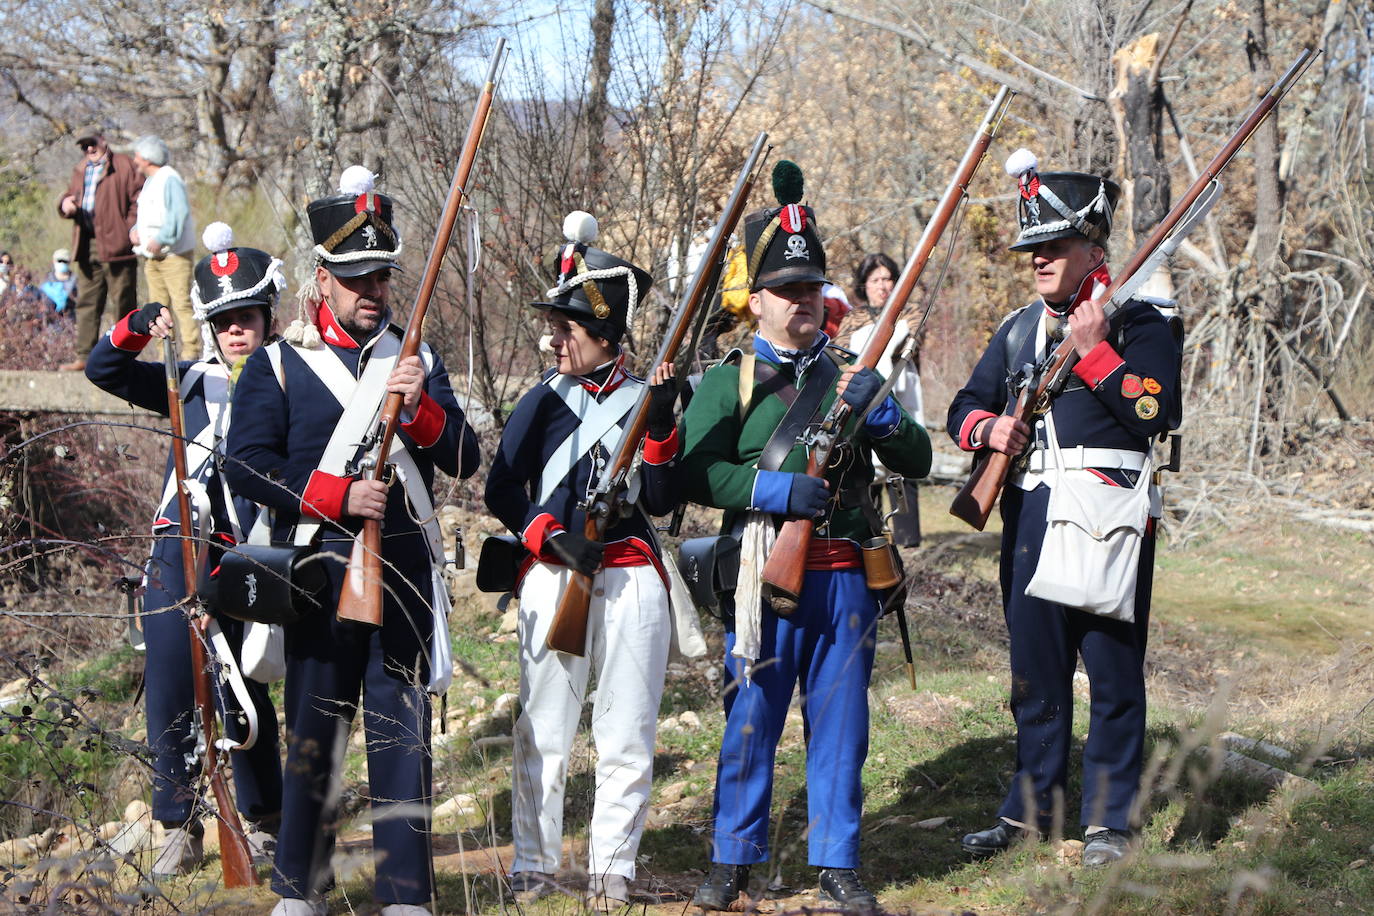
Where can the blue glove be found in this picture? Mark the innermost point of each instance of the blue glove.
(785, 493)
(862, 387)
(808, 497)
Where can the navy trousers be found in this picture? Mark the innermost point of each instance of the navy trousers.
(1046, 641)
(826, 646)
(329, 665)
(171, 705)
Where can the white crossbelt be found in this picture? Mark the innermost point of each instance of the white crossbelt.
(1079, 457)
(361, 398)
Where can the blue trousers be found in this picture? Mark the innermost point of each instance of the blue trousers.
(329, 665)
(826, 646)
(1046, 642)
(170, 701)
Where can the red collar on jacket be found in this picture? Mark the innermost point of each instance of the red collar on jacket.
(613, 381)
(1092, 286)
(331, 330)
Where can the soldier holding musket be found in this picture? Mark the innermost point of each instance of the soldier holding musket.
(1090, 446)
(560, 437)
(305, 409)
(235, 293)
(742, 455)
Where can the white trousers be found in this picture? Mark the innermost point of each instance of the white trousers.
(628, 633)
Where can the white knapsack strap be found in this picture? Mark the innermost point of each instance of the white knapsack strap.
(231, 674)
(219, 644)
(600, 422)
(210, 439)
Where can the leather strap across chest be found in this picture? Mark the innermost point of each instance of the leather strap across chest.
(802, 406)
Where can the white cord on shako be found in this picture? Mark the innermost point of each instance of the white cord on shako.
(581, 226)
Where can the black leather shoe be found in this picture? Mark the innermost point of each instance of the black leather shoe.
(1105, 847)
(722, 886)
(997, 838)
(843, 887)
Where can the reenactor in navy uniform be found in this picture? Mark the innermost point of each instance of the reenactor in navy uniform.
(1123, 392)
(234, 295)
(293, 452)
(560, 436)
(826, 644)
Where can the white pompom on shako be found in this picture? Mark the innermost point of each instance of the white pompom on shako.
(357, 179)
(580, 226)
(218, 237)
(1021, 162)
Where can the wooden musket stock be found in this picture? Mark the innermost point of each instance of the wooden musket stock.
(785, 567)
(360, 599)
(975, 501)
(568, 632)
(235, 857)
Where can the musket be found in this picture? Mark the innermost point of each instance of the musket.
(1038, 384)
(785, 568)
(568, 632)
(235, 857)
(360, 599)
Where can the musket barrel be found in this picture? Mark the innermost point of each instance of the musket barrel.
(360, 599)
(568, 631)
(784, 570)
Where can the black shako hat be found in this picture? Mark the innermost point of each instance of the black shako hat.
(352, 230)
(595, 288)
(781, 243)
(230, 278)
(1060, 205)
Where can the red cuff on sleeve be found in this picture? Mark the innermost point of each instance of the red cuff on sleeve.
(324, 496)
(1094, 368)
(538, 531)
(660, 452)
(127, 340)
(966, 431)
(429, 421)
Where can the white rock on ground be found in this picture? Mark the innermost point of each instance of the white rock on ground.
(461, 812)
(504, 704)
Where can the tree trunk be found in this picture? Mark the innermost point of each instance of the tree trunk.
(1137, 103)
(1270, 302)
(598, 105)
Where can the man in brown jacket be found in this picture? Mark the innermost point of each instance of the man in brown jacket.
(102, 202)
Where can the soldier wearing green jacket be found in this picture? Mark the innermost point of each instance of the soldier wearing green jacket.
(826, 643)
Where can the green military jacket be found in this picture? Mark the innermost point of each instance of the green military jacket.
(722, 447)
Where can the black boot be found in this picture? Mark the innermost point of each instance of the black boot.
(997, 838)
(842, 885)
(722, 886)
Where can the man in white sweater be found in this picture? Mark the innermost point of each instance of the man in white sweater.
(165, 238)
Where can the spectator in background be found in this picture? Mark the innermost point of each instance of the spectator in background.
(102, 202)
(6, 266)
(164, 237)
(21, 282)
(60, 283)
(873, 282)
